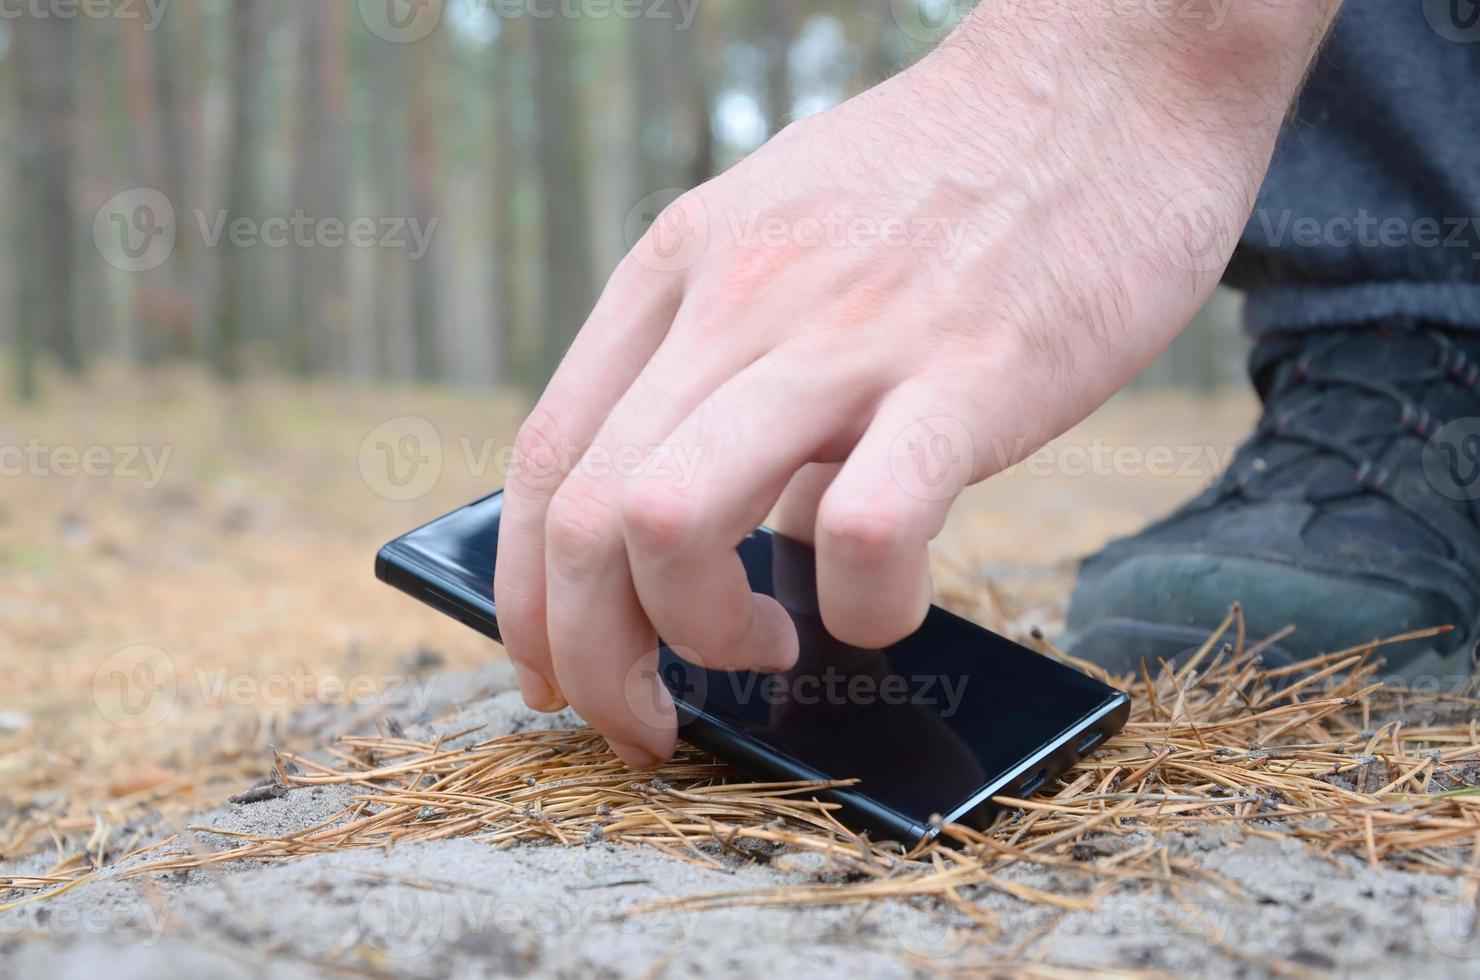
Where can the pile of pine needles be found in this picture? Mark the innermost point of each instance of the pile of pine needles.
(1319, 751)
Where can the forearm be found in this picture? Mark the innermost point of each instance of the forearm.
(1223, 62)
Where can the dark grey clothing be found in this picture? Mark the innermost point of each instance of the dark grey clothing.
(1372, 206)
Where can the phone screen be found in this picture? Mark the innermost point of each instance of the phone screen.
(925, 725)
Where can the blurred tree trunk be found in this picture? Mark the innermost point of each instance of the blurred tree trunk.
(878, 61)
(503, 188)
(567, 280)
(318, 168)
(22, 335)
(243, 152)
(162, 314)
(779, 32)
(695, 97)
(425, 59)
(674, 144)
(653, 84)
(44, 72)
(185, 158)
(388, 82)
(96, 176)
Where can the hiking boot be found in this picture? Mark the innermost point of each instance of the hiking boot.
(1351, 512)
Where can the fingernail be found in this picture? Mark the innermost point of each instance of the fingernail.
(635, 756)
(537, 693)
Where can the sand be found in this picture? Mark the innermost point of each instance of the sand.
(461, 908)
(253, 557)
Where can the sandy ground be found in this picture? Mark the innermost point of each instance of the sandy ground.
(460, 908)
(246, 568)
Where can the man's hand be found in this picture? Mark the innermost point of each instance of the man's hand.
(888, 302)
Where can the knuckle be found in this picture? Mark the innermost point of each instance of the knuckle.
(682, 220)
(539, 463)
(634, 270)
(516, 606)
(659, 518)
(582, 527)
(859, 536)
(746, 271)
(685, 207)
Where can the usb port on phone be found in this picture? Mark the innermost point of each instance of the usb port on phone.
(1034, 783)
(1090, 741)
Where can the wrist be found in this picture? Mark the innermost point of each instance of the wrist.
(1242, 62)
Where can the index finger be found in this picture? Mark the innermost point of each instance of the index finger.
(628, 324)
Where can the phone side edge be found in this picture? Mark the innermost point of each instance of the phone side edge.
(397, 567)
(1056, 756)
(863, 812)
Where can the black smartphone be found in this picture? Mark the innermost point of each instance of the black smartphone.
(933, 726)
